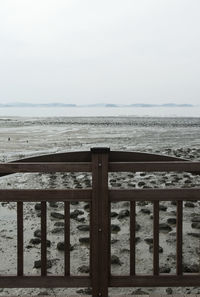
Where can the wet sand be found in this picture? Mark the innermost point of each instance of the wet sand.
(22, 137)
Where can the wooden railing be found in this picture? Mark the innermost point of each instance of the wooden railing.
(99, 161)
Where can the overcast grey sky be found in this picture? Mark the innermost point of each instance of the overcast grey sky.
(88, 51)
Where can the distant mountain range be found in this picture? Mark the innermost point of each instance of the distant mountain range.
(32, 105)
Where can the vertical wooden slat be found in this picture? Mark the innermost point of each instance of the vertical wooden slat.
(179, 237)
(67, 238)
(100, 223)
(132, 238)
(91, 239)
(20, 239)
(43, 238)
(94, 223)
(105, 234)
(156, 237)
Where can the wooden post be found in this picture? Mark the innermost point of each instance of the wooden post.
(100, 223)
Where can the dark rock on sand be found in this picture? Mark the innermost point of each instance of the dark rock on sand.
(196, 225)
(142, 203)
(171, 221)
(114, 241)
(173, 202)
(84, 269)
(141, 183)
(165, 269)
(196, 235)
(113, 214)
(43, 293)
(38, 206)
(38, 241)
(139, 292)
(162, 207)
(57, 230)
(123, 214)
(59, 224)
(53, 204)
(189, 204)
(196, 219)
(75, 202)
(87, 207)
(86, 291)
(145, 210)
(61, 246)
(57, 215)
(115, 228)
(76, 213)
(35, 241)
(37, 233)
(151, 249)
(84, 240)
(137, 227)
(83, 227)
(191, 268)
(149, 240)
(169, 291)
(37, 264)
(115, 260)
(165, 227)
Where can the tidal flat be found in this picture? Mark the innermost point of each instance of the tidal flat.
(25, 137)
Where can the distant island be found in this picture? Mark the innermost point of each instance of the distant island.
(108, 105)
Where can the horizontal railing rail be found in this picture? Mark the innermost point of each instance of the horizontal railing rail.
(154, 194)
(37, 195)
(154, 166)
(45, 167)
(100, 161)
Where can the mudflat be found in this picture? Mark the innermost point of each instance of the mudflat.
(23, 137)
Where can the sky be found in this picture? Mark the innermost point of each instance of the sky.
(93, 51)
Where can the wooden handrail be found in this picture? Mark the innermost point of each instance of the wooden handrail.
(99, 161)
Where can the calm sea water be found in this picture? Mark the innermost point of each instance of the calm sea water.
(99, 112)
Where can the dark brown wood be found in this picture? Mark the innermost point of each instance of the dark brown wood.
(100, 224)
(154, 194)
(162, 280)
(179, 237)
(154, 166)
(67, 238)
(99, 198)
(20, 239)
(94, 226)
(78, 157)
(104, 254)
(132, 238)
(53, 281)
(45, 167)
(43, 238)
(120, 156)
(45, 195)
(156, 237)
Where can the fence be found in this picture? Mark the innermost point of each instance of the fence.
(99, 161)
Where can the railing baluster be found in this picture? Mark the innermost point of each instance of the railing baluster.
(43, 238)
(67, 238)
(100, 223)
(156, 237)
(179, 237)
(20, 239)
(132, 238)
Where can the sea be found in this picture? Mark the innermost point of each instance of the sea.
(100, 111)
